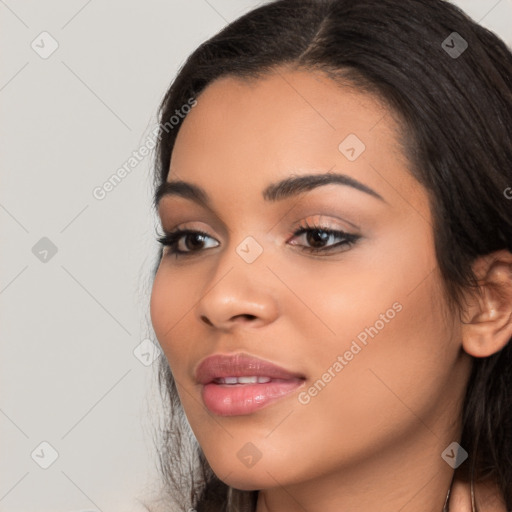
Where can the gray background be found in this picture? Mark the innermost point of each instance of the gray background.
(71, 321)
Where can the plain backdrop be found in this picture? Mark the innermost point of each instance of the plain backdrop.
(80, 83)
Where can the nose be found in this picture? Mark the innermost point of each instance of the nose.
(239, 294)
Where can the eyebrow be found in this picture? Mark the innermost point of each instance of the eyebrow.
(286, 188)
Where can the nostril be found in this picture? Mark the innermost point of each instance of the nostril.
(241, 317)
(247, 316)
(205, 319)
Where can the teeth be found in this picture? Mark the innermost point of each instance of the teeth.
(247, 380)
(243, 380)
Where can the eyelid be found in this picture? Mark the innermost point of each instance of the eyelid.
(326, 221)
(187, 225)
(211, 220)
(312, 221)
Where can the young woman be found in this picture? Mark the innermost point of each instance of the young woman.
(334, 294)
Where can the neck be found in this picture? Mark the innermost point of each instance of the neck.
(399, 478)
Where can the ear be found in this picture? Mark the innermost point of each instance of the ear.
(487, 319)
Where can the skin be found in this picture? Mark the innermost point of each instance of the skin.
(372, 438)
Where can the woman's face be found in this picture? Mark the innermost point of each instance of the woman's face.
(372, 360)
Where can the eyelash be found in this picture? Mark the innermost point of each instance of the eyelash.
(171, 239)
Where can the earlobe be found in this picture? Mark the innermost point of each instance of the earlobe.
(487, 325)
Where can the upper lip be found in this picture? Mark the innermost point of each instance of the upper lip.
(219, 366)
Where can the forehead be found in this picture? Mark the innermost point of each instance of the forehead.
(258, 130)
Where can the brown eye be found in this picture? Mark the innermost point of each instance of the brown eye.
(317, 238)
(194, 241)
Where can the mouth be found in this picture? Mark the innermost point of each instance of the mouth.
(239, 384)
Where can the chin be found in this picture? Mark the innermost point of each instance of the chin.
(245, 480)
(235, 473)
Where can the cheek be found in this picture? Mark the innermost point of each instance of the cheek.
(382, 386)
(376, 291)
(170, 304)
(161, 306)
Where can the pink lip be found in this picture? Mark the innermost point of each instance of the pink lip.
(238, 399)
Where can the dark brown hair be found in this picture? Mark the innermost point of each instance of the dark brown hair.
(455, 114)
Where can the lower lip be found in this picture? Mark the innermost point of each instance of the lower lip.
(239, 399)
